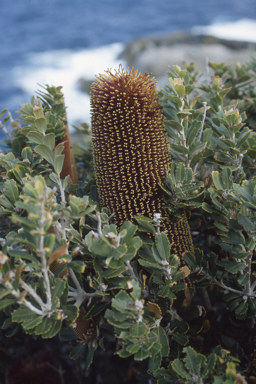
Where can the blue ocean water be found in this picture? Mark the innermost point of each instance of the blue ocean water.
(59, 41)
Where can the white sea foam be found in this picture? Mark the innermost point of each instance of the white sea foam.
(243, 29)
(66, 67)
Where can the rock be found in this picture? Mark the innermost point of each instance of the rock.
(156, 54)
(84, 85)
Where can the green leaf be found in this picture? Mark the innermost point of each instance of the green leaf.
(5, 202)
(217, 179)
(45, 152)
(191, 360)
(72, 312)
(4, 292)
(142, 353)
(181, 339)
(24, 255)
(32, 323)
(67, 334)
(166, 292)
(35, 136)
(154, 362)
(163, 246)
(179, 368)
(122, 301)
(58, 163)
(89, 357)
(96, 309)
(58, 289)
(211, 361)
(246, 223)
(243, 279)
(163, 340)
(179, 148)
(12, 191)
(44, 326)
(6, 303)
(110, 273)
(40, 124)
(3, 111)
(242, 308)
(231, 266)
(133, 348)
(54, 329)
(77, 265)
(77, 351)
(27, 153)
(145, 224)
(196, 149)
(22, 314)
(49, 140)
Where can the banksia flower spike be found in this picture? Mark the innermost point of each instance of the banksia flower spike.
(131, 151)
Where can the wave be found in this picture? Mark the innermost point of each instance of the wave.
(242, 30)
(65, 68)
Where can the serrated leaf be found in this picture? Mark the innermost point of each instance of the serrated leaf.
(243, 279)
(22, 314)
(142, 353)
(179, 368)
(57, 289)
(122, 301)
(154, 362)
(72, 312)
(32, 323)
(231, 266)
(110, 273)
(44, 326)
(217, 179)
(191, 360)
(181, 339)
(166, 292)
(145, 224)
(211, 361)
(246, 222)
(54, 329)
(6, 303)
(194, 150)
(133, 348)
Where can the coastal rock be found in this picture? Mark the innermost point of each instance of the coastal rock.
(84, 85)
(156, 54)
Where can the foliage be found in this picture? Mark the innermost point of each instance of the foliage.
(66, 270)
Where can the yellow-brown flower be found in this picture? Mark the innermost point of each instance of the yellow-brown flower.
(131, 151)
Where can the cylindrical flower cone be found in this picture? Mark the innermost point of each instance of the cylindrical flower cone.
(131, 151)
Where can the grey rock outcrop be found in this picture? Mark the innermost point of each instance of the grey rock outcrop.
(156, 54)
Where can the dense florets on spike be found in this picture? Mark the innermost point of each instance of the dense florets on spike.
(131, 150)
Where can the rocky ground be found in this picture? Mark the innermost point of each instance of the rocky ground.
(156, 54)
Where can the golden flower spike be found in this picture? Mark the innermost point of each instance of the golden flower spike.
(131, 152)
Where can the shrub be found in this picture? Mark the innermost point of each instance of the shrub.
(132, 283)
